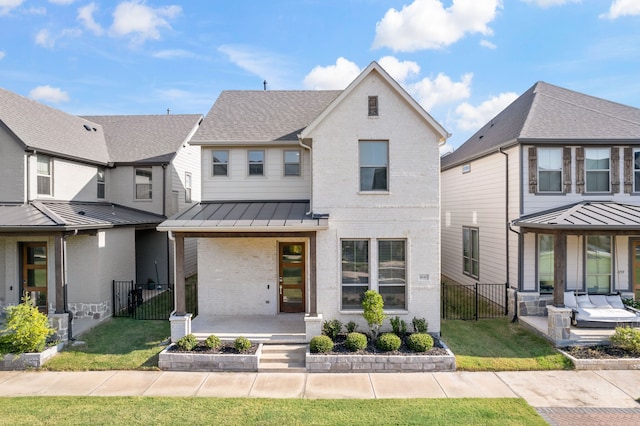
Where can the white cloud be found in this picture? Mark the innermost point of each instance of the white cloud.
(473, 118)
(6, 6)
(399, 70)
(332, 77)
(487, 44)
(441, 90)
(426, 24)
(85, 16)
(44, 39)
(266, 65)
(49, 94)
(174, 53)
(622, 8)
(140, 22)
(550, 3)
(2, 54)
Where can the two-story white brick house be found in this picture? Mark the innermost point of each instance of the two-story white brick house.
(545, 197)
(310, 198)
(74, 212)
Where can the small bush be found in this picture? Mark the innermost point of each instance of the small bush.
(373, 311)
(420, 325)
(26, 329)
(399, 326)
(356, 341)
(242, 344)
(320, 344)
(213, 342)
(388, 342)
(187, 343)
(352, 326)
(632, 303)
(420, 342)
(332, 328)
(626, 338)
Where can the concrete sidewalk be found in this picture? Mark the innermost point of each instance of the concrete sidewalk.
(541, 389)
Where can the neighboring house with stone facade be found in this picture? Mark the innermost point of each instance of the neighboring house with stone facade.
(80, 199)
(310, 198)
(546, 197)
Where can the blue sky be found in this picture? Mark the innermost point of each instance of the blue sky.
(463, 60)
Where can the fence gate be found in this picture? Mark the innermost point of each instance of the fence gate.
(142, 301)
(474, 301)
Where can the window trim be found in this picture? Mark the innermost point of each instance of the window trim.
(362, 166)
(587, 170)
(214, 163)
(187, 187)
(135, 183)
(342, 262)
(560, 151)
(471, 256)
(285, 163)
(49, 176)
(101, 183)
(262, 163)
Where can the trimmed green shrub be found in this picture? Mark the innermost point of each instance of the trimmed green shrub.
(420, 342)
(213, 342)
(352, 326)
(332, 328)
(388, 342)
(399, 326)
(242, 344)
(320, 344)
(632, 303)
(356, 341)
(420, 325)
(373, 311)
(187, 343)
(26, 328)
(626, 338)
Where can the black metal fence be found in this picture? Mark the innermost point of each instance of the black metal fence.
(142, 301)
(474, 301)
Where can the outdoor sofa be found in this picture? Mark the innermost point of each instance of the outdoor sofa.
(600, 310)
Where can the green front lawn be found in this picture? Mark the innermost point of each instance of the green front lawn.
(499, 345)
(250, 411)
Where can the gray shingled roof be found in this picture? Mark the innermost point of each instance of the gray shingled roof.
(245, 216)
(586, 215)
(145, 138)
(550, 114)
(50, 130)
(63, 216)
(262, 116)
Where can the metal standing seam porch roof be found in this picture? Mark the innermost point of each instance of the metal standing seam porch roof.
(606, 216)
(246, 216)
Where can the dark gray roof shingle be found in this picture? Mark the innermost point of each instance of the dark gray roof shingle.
(262, 116)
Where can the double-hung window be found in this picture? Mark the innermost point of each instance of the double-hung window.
(636, 170)
(597, 169)
(101, 182)
(220, 163)
(598, 263)
(374, 165)
(545, 263)
(256, 162)
(292, 162)
(187, 187)
(549, 169)
(144, 178)
(470, 252)
(392, 270)
(44, 175)
(355, 272)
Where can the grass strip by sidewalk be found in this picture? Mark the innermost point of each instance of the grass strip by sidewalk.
(499, 345)
(116, 344)
(151, 410)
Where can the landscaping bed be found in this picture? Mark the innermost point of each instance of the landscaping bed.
(602, 357)
(28, 360)
(225, 358)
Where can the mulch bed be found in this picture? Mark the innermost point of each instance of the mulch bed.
(224, 349)
(339, 348)
(599, 352)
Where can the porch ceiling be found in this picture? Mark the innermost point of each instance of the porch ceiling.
(246, 216)
(585, 216)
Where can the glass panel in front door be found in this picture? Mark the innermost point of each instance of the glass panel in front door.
(34, 273)
(292, 277)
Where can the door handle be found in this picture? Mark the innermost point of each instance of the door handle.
(281, 289)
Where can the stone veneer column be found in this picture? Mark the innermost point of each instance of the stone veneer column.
(180, 326)
(312, 326)
(559, 324)
(60, 322)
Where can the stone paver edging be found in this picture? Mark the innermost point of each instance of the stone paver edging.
(194, 361)
(603, 363)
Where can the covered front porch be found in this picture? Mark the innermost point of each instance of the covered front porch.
(577, 336)
(283, 328)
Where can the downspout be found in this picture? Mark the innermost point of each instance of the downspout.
(164, 211)
(308, 148)
(507, 229)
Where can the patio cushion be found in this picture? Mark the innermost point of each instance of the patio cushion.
(584, 301)
(600, 301)
(615, 301)
(570, 299)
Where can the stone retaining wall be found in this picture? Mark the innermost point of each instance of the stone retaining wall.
(194, 361)
(28, 360)
(604, 364)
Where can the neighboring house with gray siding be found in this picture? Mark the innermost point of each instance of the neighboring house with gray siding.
(555, 177)
(70, 219)
(310, 198)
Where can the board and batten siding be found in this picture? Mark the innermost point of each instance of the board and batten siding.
(238, 185)
(12, 169)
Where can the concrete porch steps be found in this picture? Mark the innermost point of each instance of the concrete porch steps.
(283, 358)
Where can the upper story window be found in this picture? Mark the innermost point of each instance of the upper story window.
(636, 170)
(256, 162)
(373, 106)
(470, 252)
(597, 169)
(549, 169)
(44, 176)
(101, 182)
(220, 163)
(187, 187)
(292, 162)
(143, 183)
(373, 165)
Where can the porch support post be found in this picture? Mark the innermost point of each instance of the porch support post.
(559, 268)
(179, 275)
(58, 252)
(313, 288)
